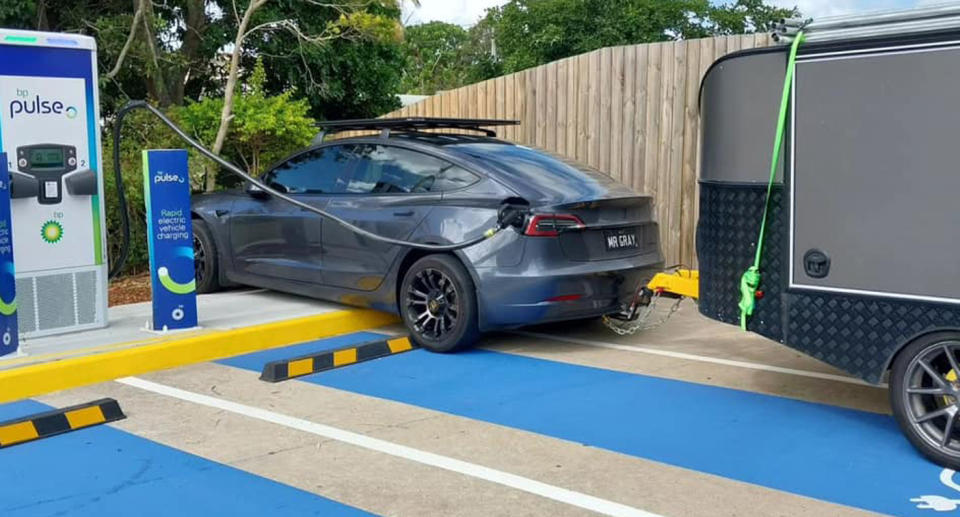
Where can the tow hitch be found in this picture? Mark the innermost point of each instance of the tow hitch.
(642, 313)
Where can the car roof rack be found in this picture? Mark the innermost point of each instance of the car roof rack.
(386, 125)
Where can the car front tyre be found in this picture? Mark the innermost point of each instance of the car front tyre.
(925, 396)
(205, 258)
(438, 304)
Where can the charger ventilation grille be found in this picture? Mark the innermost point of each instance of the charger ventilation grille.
(58, 302)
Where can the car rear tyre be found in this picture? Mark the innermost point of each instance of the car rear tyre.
(205, 258)
(439, 305)
(925, 396)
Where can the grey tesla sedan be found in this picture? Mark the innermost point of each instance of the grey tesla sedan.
(584, 245)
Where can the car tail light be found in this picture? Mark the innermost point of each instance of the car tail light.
(550, 225)
(565, 298)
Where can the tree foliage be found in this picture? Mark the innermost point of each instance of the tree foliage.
(441, 56)
(745, 16)
(345, 61)
(178, 52)
(527, 33)
(266, 127)
(435, 58)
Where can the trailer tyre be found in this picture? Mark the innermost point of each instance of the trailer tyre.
(925, 396)
(438, 303)
(206, 268)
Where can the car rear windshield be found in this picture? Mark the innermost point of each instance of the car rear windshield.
(547, 171)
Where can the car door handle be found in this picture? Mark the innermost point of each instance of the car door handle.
(408, 213)
(220, 212)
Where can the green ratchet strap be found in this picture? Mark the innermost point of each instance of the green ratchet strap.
(751, 277)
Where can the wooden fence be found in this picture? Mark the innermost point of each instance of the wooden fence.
(629, 111)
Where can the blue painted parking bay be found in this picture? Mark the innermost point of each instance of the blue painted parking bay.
(102, 471)
(834, 454)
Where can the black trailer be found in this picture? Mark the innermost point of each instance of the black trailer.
(861, 259)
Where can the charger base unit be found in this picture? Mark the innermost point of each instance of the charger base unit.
(49, 128)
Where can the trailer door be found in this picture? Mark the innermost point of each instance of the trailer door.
(874, 173)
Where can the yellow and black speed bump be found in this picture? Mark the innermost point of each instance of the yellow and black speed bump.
(59, 421)
(277, 371)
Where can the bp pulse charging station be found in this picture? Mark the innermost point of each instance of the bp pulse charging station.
(49, 130)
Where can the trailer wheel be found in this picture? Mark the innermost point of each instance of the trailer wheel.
(438, 303)
(925, 396)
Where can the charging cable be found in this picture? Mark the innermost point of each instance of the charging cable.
(506, 216)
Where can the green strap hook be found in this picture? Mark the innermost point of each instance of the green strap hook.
(751, 277)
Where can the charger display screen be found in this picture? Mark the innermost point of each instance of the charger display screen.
(46, 158)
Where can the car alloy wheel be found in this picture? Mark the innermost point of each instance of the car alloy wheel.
(931, 396)
(433, 304)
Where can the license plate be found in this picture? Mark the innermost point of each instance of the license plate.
(616, 240)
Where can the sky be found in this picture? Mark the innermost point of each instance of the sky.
(467, 12)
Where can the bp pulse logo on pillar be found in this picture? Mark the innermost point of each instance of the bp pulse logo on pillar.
(26, 103)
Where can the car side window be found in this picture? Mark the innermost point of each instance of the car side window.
(319, 171)
(385, 169)
(453, 178)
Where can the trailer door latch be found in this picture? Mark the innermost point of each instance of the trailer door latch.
(816, 263)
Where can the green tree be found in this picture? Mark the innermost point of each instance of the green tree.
(265, 127)
(173, 51)
(481, 52)
(443, 56)
(533, 32)
(746, 16)
(355, 75)
(435, 58)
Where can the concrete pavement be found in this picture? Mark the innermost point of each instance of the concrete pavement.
(693, 418)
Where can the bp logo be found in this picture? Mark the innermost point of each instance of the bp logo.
(51, 232)
(71, 112)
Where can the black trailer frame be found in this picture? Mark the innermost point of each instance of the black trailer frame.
(856, 272)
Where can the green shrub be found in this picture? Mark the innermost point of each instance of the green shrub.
(141, 131)
(264, 129)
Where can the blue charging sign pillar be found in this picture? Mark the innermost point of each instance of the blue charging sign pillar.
(8, 284)
(167, 194)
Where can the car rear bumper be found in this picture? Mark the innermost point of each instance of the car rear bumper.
(513, 297)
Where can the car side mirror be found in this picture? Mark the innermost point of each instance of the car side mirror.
(255, 191)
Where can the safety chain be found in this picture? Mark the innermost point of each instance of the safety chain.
(628, 328)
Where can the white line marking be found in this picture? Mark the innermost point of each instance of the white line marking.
(701, 358)
(562, 495)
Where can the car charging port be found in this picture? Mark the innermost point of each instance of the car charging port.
(513, 212)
